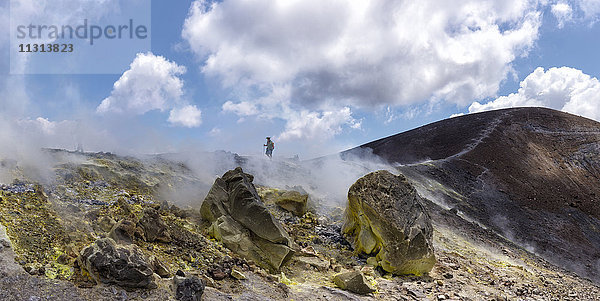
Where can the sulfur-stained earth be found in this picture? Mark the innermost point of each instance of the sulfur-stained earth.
(45, 225)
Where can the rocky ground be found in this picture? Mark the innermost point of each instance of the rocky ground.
(530, 174)
(47, 228)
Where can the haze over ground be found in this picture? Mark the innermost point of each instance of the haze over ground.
(319, 77)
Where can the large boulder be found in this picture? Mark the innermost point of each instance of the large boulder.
(386, 219)
(109, 263)
(239, 219)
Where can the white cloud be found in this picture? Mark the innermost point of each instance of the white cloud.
(563, 13)
(151, 83)
(240, 108)
(362, 53)
(563, 88)
(214, 132)
(318, 126)
(187, 116)
(590, 8)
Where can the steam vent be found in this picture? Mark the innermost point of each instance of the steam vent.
(386, 219)
(501, 205)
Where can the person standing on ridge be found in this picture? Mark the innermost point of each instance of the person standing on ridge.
(270, 146)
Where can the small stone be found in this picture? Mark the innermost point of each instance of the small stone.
(160, 268)
(237, 274)
(439, 282)
(125, 231)
(209, 282)
(309, 251)
(218, 274)
(189, 289)
(320, 264)
(4, 244)
(368, 270)
(372, 261)
(353, 281)
(31, 270)
(441, 297)
(283, 279)
(106, 223)
(453, 266)
(154, 227)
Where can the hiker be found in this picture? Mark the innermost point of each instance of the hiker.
(270, 146)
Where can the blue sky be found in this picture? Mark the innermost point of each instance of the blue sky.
(319, 77)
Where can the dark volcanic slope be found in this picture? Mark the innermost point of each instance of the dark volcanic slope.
(531, 174)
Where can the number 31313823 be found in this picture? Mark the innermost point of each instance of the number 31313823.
(45, 47)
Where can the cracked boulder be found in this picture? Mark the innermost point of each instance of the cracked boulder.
(109, 263)
(386, 219)
(240, 220)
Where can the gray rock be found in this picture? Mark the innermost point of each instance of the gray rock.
(125, 231)
(320, 264)
(188, 289)
(353, 281)
(237, 274)
(160, 268)
(293, 202)
(106, 223)
(154, 227)
(241, 221)
(8, 266)
(109, 263)
(386, 219)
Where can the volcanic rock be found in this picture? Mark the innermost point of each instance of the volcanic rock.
(386, 219)
(293, 201)
(318, 263)
(154, 227)
(8, 266)
(160, 268)
(188, 289)
(241, 221)
(530, 174)
(353, 281)
(125, 231)
(109, 263)
(237, 274)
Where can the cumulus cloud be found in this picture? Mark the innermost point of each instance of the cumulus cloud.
(241, 108)
(318, 126)
(187, 116)
(563, 88)
(563, 13)
(590, 8)
(151, 83)
(362, 53)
